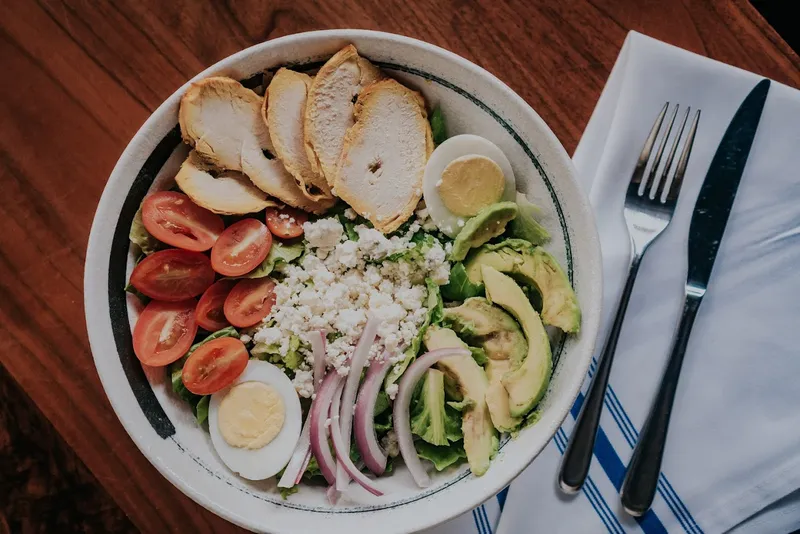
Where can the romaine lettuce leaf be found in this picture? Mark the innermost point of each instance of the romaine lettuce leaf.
(441, 456)
(438, 126)
(140, 236)
(431, 419)
(525, 226)
(280, 253)
(459, 287)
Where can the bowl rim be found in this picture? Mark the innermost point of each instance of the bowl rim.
(141, 145)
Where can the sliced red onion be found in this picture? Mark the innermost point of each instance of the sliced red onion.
(336, 406)
(402, 426)
(317, 340)
(357, 362)
(318, 433)
(371, 452)
(343, 456)
(300, 457)
(333, 494)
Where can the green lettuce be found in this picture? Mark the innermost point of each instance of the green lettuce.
(438, 126)
(479, 355)
(525, 226)
(459, 287)
(141, 237)
(431, 419)
(272, 354)
(441, 456)
(279, 253)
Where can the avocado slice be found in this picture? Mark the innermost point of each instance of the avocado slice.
(488, 223)
(480, 437)
(534, 266)
(489, 328)
(497, 333)
(527, 384)
(497, 397)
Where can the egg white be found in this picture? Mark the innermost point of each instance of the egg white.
(456, 147)
(258, 464)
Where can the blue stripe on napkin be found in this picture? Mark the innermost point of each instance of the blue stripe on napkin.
(593, 495)
(630, 434)
(477, 523)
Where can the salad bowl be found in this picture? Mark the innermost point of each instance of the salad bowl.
(473, 102)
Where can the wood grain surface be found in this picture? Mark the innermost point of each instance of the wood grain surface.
(81, 76)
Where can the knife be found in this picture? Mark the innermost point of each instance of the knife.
(709, 219)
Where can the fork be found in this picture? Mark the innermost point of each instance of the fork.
(647, 215)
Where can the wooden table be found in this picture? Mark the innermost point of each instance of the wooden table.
(81, 76)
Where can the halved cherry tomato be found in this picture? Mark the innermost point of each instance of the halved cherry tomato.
(209, 313)
(286, 223)
(241, 248)
(250, 301)
(174, 219)
(214, 366)
(164, 331)
(173, 275)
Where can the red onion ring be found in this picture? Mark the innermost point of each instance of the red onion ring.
(367, 441)
(343, 455)
(402, 425)
(318, 433)
(357, 362)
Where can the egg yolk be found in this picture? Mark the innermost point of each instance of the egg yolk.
(251, 415)
(470, 183)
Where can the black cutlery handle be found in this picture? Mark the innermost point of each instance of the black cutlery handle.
(641, 479)
(578, 456)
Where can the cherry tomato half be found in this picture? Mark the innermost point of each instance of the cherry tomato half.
(164, 331)
(250, 301)
(209, 313)
(174, 219)
(214, 366)
(286, 223)
(241, 248)
(173, 275)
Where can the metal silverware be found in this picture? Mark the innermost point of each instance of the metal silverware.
(649, 204)
(710, 216)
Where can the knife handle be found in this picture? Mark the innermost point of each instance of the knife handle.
(641, 479)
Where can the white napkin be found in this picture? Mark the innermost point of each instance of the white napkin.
(732, 458)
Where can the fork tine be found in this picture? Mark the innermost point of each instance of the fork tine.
(672, 189)
(652, 178)
(638, 171)
(670, 158)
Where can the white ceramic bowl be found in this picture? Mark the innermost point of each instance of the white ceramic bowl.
(473, 101)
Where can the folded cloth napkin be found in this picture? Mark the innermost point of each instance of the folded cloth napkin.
(732, 460)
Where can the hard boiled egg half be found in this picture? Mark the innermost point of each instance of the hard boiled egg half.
(465, 174)
(255, 423)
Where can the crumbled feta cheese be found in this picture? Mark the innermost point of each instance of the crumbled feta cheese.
(244, 338)
(303, 382)
(268, 336)
(335, 285)
(350, 214)
(390, 444)
(392, 390)
(461, 223)
(323, 234)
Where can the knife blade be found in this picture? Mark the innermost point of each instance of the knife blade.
(715, 201)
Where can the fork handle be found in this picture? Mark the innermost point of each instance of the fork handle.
(578, 456)
(641, 479)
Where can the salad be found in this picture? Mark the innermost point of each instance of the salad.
(333, 285)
